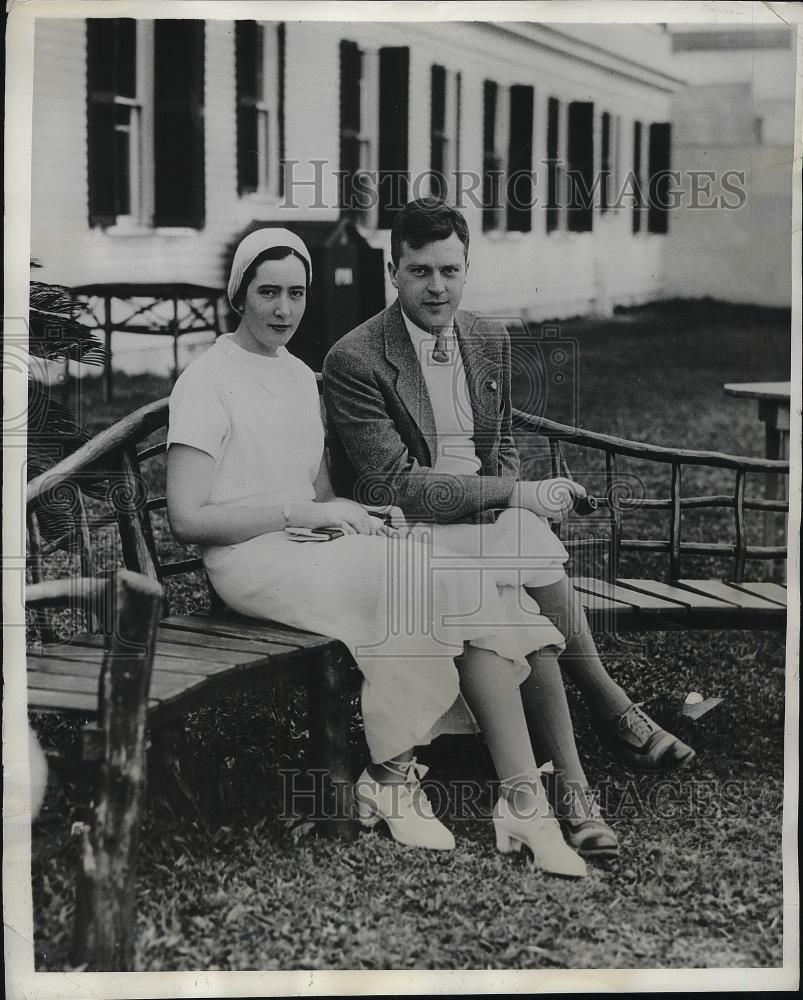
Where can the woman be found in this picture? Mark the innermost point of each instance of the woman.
(246, 461)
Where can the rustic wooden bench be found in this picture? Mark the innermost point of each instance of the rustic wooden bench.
(113, 491)
(617, 602)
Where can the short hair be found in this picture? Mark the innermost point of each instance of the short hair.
(425, 221)
(273, 253)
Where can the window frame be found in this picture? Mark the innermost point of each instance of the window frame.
(366, 136)
(447, 137)
(266, 100)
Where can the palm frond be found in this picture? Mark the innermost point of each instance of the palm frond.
(55, 337)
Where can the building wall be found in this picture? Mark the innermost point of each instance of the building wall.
(538, 274)
(736, 115)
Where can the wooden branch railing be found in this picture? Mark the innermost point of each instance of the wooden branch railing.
(740, 551)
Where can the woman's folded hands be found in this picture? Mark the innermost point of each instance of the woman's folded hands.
(350, 517)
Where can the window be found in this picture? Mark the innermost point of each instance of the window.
(259, 57)
(520, 160)
(114, 116)
(553, 165)
(580, 205)
(394, 102)
(145, 134)
(445, 111)
(638, 201)
(658, 165)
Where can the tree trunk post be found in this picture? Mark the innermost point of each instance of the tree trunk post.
(329, 708)
(105, 919)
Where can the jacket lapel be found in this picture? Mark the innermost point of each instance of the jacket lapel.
(410, 385)
(480, 354)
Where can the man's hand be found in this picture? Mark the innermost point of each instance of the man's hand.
(550, 498)
(393, 518)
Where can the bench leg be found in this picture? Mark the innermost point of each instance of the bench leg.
(170, 772)
(329, 708)
(105, 911)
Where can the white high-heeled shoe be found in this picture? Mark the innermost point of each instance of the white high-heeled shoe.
(405, 808)
(533, 825)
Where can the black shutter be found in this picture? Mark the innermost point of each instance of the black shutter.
(580, 209)
(637, 177)
(552, 153)
(350, 124)
(491, 162)
(280, 45)
(659, 155)
(520, 160)
(458, 124)
(605, 157)
(179, 193)
(111, 71)
(394, 91)
(437, 131)
(246, 48)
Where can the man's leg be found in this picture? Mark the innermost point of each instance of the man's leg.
(581, 661)
(621, 725)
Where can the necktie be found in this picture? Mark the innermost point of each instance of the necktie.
(439, 352)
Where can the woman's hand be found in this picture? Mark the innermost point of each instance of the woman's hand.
(349, 517)
(550, 498)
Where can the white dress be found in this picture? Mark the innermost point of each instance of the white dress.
(403, 607)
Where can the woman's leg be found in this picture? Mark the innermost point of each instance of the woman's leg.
(492, 693)
(391, 771)
(522, 814)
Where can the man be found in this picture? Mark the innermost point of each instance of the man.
(419, 399)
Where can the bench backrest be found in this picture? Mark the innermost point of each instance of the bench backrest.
(624, 476)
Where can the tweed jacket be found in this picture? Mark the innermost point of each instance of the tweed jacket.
(382, 428)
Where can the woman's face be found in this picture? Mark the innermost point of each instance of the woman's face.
(274, 304)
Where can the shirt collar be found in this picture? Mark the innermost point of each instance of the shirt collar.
(417, 333)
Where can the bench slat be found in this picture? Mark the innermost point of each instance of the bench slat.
(769, 591)
(44, 700)
(686, 598)
(648, 603)
(593, 602)
(743, 600)
(207, 641)
(167, 664)
(236, 629)
(165, 685)
(176, 647)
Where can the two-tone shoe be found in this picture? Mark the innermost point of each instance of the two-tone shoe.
(642, 743)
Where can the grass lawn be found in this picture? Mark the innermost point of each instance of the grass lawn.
(698, 883)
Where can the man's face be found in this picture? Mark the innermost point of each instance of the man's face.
(430, 281)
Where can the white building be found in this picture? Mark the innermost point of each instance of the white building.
(156, 142)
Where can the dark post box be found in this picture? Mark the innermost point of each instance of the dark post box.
(348, 284)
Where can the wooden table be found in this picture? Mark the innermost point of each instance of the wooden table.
(171, 309)
(773, 412)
